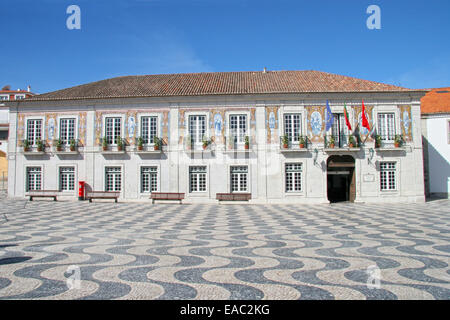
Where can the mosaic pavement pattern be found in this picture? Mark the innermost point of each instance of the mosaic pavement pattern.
(170, 251)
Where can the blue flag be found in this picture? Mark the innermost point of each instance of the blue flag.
(329, 118)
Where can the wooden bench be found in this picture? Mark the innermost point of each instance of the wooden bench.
(42, 194)
(166, 196)
(233, 196)
(102, 195)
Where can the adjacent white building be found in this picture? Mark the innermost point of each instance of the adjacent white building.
(251, 123)
(436, 140)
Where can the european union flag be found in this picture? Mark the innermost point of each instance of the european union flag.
(329, 118)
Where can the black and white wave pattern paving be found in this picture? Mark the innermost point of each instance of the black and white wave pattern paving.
(170, 251)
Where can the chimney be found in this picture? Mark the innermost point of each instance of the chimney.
(265, 70)
(29, 88)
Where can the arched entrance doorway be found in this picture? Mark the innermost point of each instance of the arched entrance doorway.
(341, 178)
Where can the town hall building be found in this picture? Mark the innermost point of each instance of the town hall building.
(265, 135)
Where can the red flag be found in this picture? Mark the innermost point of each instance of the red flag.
(365, 123)
(347, 121)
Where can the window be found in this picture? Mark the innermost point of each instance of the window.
(386, 126)
(238, 127)
(4, 97)
(34, 178)
(113, 177)
(292, 126)
(66, 130)
(448, 131)
(149, 179)
(67, 178)
(197, 179)
(339, 129)
(197, 128)
(239, 178)
(19, 96)
(148, 129)
(4, 134)
(113, 129)
(34, 130)
(387, 176)
(293, 177)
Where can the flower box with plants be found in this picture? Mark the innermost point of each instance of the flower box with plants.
(119, 143)
(301, 142)
(377, 141)
(140, 143)
(351, 142)
(331, 142)
(26, 145)
(398, 140)
(58, 144)
(247, 142)
(157, 143)
(285, 141)
(105, 144)
(40, 145)
(73, 145)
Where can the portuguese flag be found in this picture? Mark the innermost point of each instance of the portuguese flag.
(347, 121)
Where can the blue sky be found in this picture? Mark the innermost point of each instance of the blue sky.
(130, 37)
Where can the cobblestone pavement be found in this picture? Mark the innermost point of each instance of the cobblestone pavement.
(170, 251)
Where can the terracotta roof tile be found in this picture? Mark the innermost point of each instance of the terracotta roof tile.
(436, 101)
(218, 83)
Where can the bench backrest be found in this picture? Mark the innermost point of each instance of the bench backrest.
(111, 194)
(167, 195)
(233, 196)
(41, 192)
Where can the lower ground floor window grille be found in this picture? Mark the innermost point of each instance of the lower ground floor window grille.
(197, 179)
(113, 177)
(387, 175)
(239, 178)
(293, 177)
(149, 179)
(67, 178)
(34, 178)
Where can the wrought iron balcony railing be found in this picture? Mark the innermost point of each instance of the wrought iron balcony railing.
(290, 143)
(342, 141)
(235, 143)
(389, 141)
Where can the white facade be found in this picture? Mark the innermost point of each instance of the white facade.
(266, 162)
(436, 134)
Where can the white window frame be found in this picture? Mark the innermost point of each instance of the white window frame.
(230, 178)
(188, 124)
(140, 125)
(122, 175)
(386, 123)
(448, 131)
(42, 119)
(122, 117)
(27, 186)
(142, 191)
(395, 174)
(205, 173)
(75, 132)
(286, 173)
(239, 135)
(294, 139)
(4, 96)
(19, 96)
(60, 176)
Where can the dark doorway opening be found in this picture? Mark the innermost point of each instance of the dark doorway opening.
(341, 178)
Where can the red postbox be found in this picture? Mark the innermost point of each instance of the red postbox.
(81, 188)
